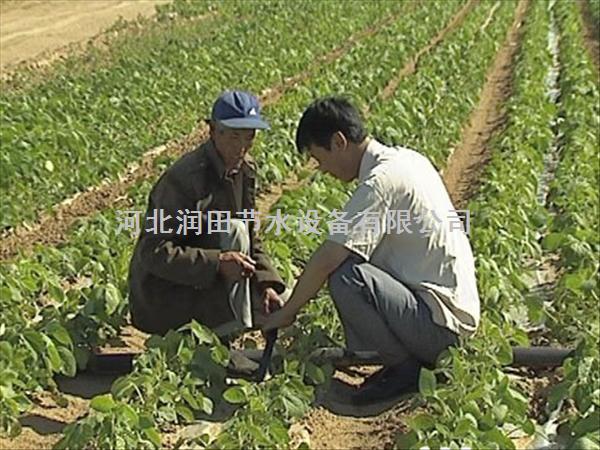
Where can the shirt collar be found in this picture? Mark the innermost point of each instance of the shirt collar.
(369, 159)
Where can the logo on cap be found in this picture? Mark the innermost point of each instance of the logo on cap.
(238, 109)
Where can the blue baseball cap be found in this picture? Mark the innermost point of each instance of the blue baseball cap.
(238, 109)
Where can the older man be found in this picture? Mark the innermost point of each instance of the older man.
(197, 256)
(405, 289)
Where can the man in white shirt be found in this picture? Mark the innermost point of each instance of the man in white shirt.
(402, 277)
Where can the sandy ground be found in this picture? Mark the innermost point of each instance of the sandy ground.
(29, 28)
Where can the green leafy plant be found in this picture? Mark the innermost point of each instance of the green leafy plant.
(178, 377)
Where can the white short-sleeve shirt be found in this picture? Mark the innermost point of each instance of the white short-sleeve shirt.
(401, 220)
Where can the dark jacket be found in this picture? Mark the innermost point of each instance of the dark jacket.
(174, 277)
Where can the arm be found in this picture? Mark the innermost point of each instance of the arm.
(166, 255)
(328, 257)
(179, 263)
(334, 251)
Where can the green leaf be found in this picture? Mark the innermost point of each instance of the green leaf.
(220, 355)
(427, 382)
(528, 427)
(60, 334)
(36, 340)
(112, 298)
(408, 440)
(185, 412)
(557, 394)
(122, 387)
(505, 353)
(256, 432)
(588, 424)
(235, 395)
(553, 241)
(146, 421)
(496, 436)
(130, 415)
(103, 403)
(69, 365)
(294, 405)
(315, 373)
(166, 414)
(500, 412)
(153, 436)
(207, 405)
(584, 443)
(466, 425)
(203, 335)
(574, 281)
(189, 398)
(82, 356)
(583, 397)
(53, 355)
(422, 422)
(279, 432)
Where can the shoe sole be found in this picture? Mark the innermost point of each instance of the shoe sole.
(337, 400)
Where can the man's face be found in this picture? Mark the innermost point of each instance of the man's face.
(336, 162)
(232, 144)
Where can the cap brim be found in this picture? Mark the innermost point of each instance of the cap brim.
(247, 122)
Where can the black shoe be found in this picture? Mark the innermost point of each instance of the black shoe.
(240, 366)
(389, 383)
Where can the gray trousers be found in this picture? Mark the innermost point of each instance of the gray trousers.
(381, 314)
(244, 299)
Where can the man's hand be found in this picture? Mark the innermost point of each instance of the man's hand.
(279, 319)
(235, 265)
(271, 301)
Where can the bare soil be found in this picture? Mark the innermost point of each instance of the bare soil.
(330, 431)
(36, 29)
(591, 34)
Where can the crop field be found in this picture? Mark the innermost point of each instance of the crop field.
(503, 97)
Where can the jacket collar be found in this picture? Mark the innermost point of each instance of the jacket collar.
(219, 166)
(215, 159)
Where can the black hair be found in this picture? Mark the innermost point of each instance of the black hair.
(325, 117)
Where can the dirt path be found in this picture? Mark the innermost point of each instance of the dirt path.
(328, 431)
(52, 228)
(591, 34)
(465, 164)
(411, 66)
(30, 29)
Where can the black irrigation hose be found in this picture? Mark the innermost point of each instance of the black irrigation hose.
(539, 356)
(533, 357)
